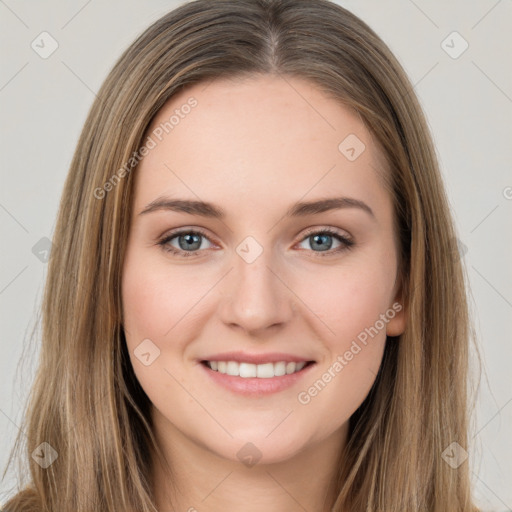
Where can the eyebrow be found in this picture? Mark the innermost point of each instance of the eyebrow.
(300, 209)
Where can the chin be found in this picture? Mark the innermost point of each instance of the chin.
(258, 447)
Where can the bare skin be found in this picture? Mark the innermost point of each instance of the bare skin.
(254, 148)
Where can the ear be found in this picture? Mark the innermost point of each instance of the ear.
(397, 324)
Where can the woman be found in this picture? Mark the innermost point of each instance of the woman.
(255, 300)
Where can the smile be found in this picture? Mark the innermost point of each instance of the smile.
(256, 379)
(260, 371)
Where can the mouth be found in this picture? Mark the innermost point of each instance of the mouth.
(252, 379)
(259, 371)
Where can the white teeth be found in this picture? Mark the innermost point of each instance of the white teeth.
(279, 369)
(262, 371)
(265, 371)
(247, 370)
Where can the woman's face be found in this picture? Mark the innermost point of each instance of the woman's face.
(263, 281)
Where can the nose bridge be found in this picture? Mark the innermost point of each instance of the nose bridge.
(258, 298)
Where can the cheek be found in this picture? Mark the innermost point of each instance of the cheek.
(158, 306)
(348, 301)
(158, 299)
(354, 343)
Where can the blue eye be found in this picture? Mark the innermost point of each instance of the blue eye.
(322, 239)
(190, 242)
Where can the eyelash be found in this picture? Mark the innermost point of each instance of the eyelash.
(346, 242)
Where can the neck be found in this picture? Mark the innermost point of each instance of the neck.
(200, 479)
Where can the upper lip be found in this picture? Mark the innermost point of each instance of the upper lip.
(243, 357)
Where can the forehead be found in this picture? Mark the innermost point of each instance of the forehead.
(261, 137)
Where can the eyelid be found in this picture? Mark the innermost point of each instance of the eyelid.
(326, 229)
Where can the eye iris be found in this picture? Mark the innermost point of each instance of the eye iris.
(190, 241)
(322, 238)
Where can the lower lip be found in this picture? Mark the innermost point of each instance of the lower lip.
(254, 386)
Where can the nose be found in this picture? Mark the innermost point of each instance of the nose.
(257, 297)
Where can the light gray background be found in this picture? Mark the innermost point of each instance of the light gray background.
(468, 103)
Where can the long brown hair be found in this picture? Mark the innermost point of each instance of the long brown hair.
(86, 402)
